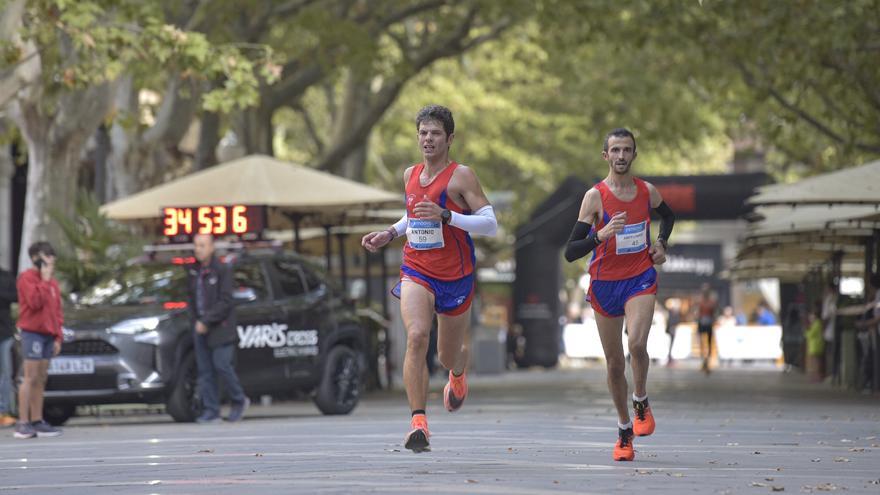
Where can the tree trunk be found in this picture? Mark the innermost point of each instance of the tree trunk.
(209, 138)
(7, 170)
(253, 128)
(55, 143)
(51, 170)
(103, 186)
(140, 158)
(26, 69)
(354, 165)
(360, 111)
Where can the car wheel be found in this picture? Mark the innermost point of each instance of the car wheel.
(340, 387)
(184, 404)
(57, 415)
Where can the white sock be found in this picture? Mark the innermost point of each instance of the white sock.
(640, 399)
(626, 426)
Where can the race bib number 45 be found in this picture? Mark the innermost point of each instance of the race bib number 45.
(424, 234)
(632, 239)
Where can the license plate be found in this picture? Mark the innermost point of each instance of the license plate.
(71, 366)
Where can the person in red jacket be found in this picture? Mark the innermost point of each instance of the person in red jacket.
(40, 318)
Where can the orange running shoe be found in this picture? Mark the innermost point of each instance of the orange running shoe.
(455, 392)
(643, 423)
(623, 449)
(417, 439)
(6, 420)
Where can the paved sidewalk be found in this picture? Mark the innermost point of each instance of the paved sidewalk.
(528, 432)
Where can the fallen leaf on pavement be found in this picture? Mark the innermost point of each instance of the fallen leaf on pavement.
(826, 487)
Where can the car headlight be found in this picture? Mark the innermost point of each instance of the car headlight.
(136, 325)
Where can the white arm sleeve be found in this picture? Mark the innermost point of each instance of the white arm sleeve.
(400, 226)
(480, 222)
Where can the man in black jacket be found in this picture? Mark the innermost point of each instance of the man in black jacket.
(211, 308)
(8, 295)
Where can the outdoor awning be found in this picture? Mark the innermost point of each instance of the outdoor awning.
(257, 180)
(856, 185)
(782, 219)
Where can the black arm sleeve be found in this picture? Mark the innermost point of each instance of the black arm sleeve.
(580, 243)
(667, 220)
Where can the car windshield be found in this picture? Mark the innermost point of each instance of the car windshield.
(139, 284)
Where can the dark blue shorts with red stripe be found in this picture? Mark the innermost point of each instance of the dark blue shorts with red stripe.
(609, 297)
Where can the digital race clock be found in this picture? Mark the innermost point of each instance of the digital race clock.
(246, 221)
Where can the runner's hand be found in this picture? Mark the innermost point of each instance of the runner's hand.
(615, 225)
(375, 240)
(658, 253)
(427, 209)
(56, 348)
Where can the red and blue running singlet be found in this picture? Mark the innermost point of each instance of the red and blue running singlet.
(626, 254)
(449, 256)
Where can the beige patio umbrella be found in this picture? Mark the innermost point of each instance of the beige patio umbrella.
(855, 185)
(258, 180)
(294, 195)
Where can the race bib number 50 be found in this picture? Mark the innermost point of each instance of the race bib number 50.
(424, 234)
(632, 239)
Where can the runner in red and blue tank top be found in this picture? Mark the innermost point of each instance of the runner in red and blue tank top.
(615, 224)
(448, 258)
(444, 206)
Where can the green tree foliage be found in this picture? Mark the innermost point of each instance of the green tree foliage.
(97, 246)
(528, 115)
(83, 49)
(83, 43)
(797, 77)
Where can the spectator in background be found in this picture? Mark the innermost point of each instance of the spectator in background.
(8, 295)
(868, 329)
(211, 307)
(673, 308)
(829, 317)
(727, 319)
(765, 316)
(707, 309)
(40, 318)
(815, 343)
